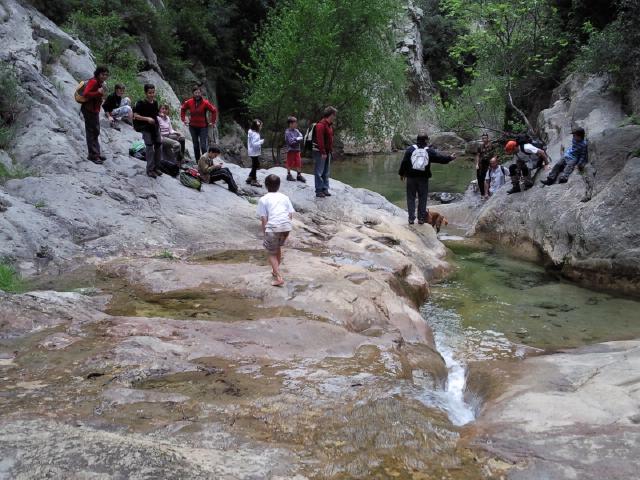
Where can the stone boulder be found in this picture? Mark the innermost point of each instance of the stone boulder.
(447, 141)
(594, 242)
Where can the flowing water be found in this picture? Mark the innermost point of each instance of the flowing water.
(494, 306)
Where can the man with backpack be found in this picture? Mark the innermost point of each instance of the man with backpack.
(495, 178)
(323, 151)
(198, 124)
(416, 170)
(527, 157)
(91, 99)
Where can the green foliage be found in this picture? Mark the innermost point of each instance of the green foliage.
(10, 105)
(40, 204)
(10, 281)
(166, 254)
(14, 172)
(311, 54)
(616, 48)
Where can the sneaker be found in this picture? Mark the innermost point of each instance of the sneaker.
(411, 222)
(563, 180)
(152, 174)
(514, 189)
(420, 222)
(547, 182)
(290, 177)
(102, 157)
(300, 178)
(158, 173)
(248, 180)
(320, 195)
(255, 183)
(327, 194)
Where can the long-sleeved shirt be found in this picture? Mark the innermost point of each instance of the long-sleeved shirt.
(165, 125)
(206, 165)
(578, 152)
(324, 136)
(254, 143)
(292, 139)
(406, 167)
(94, 98)
(198, 112)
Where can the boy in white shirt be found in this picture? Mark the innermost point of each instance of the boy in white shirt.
(275, 212)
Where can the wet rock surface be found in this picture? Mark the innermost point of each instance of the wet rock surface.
(570, 416)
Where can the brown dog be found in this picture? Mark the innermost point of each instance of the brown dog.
(436, 220)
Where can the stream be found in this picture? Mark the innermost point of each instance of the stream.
(493, 306)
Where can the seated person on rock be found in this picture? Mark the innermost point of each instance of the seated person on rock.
(118, 107)
(212, 170)
(527, 158)
(575, 156)
(170, 138)
(496, 177)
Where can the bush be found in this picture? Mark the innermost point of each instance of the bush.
(13, 172)
(10, 280)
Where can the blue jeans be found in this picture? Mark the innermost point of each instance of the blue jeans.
(321, 171)
(199, 136)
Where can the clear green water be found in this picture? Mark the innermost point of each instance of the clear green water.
(492, 302)
(380, 174)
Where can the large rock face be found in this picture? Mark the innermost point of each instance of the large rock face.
(597, 242)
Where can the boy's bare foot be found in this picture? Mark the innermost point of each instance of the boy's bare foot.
(278, 282)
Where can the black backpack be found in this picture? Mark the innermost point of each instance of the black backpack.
(309, 139)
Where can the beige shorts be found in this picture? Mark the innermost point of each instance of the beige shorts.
(274, 240)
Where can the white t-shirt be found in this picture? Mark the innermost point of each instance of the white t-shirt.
(496, 178)
(530, 149)
(276, 207)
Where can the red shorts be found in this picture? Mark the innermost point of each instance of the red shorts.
(294, 161)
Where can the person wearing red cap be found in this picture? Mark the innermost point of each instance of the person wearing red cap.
(526, 157)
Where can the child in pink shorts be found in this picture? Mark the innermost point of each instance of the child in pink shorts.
(293, 140)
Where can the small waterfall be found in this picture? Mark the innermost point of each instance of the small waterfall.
(449, 337)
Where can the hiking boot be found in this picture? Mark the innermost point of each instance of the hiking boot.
(158, 173)
(548, 182)
(249, 180)
(327, 194)
(300, 178)
(96, 160)
(411, 222)
(255, 183)
(152, 174)
(563, 180)
(514, 189)
(290, 177)
(320, 195)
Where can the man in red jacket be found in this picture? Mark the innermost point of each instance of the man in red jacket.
(323, 151)
(94, 93)
(197, 121)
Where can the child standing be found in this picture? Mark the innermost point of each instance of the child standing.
(293, 138)
(254, 147)
(275, 212)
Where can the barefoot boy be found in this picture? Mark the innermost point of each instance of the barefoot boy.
(275, 212)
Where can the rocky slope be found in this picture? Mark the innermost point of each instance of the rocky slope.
(596, 243)
(163, 349)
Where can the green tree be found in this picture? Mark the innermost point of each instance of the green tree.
(518, 42)
(313, 53)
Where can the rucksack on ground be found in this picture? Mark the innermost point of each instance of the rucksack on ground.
(137, 150)
(419, 158)
(188, 179)
(309, 137)
(78, 93)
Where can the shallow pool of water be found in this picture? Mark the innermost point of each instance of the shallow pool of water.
(380, 174)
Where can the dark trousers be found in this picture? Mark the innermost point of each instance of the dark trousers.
(225, 175)
(321, 171)
(417, 186)
(153, 149)
(520, 169)
(481, 173)
(92, 131)
(255, 165)
(199, 137)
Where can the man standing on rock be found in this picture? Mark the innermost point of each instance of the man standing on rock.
(145, 117)
(197, 106)
(416, 170)
(323, 151)
(94, 94)
(484, 154)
